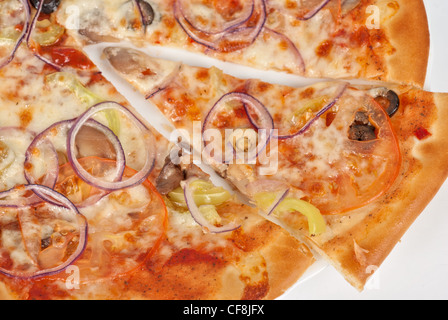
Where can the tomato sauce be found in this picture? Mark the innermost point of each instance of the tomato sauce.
(68, 57)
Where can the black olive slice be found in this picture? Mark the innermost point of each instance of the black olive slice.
(147, 12)
(49, 6)
(389, 101)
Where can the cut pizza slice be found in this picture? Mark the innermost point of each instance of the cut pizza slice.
(339, 166)
(83, 211)
(369, 39)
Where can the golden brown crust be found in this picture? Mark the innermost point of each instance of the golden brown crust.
(258, 261)
(408, 32)
(287, 261)
(4, 293)
(362, 247)
(358, 242)
(285, 258)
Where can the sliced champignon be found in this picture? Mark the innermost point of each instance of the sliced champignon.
(388, 100)
(361, 128)
(49, 6)
(92, 26)
(126, 60)
(170, 177)
(192, 170)
(91, 142)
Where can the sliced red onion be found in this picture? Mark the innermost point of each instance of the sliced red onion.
(28, 38)
(165, 83)
(52, 162)
(231, 34)
(281, 196)
(258, 116)
(9, 199)
(46, 140)
(281, 188)
(116, 183)
(319, 6)
(299, 62)
(263, 122)
(227, 26)
(23, 35)
(341, 90)
(26, 137)
(66, 211)
(207, 227)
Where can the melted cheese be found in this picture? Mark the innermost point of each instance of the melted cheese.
(29, 102)
(184, 232)
(290, 47)
(14, 142)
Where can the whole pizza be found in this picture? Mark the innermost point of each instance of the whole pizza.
(254, 181)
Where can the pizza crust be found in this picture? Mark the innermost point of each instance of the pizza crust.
(285, 258)
(357, 242)
(408, 32)
(359, 250)
(287, 261)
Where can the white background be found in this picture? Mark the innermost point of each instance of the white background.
(418, 266)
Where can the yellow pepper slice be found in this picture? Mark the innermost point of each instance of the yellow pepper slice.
(205, 193)
(48, 33)
(316, 222)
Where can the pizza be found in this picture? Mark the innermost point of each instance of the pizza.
(349, 158)
(85, 210)
(97, 204)
(369, 39)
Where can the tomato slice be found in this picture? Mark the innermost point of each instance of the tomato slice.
(336, 172)
(125, 227)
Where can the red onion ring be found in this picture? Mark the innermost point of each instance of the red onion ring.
(50, 178)
(44, 139)
(299, 58)
(23, 35)
(8, 133)
(165, 83)
(207, 227)
(268, 186)
(73, 214)
(116, 184)
(252, 107)
(277, 201)
(315, 10)
(228, 26)
(243, 36)
(28, 38)
(341, 90)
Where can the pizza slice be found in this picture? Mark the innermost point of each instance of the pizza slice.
(369, 39)
(88, 206)
(340, 166)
